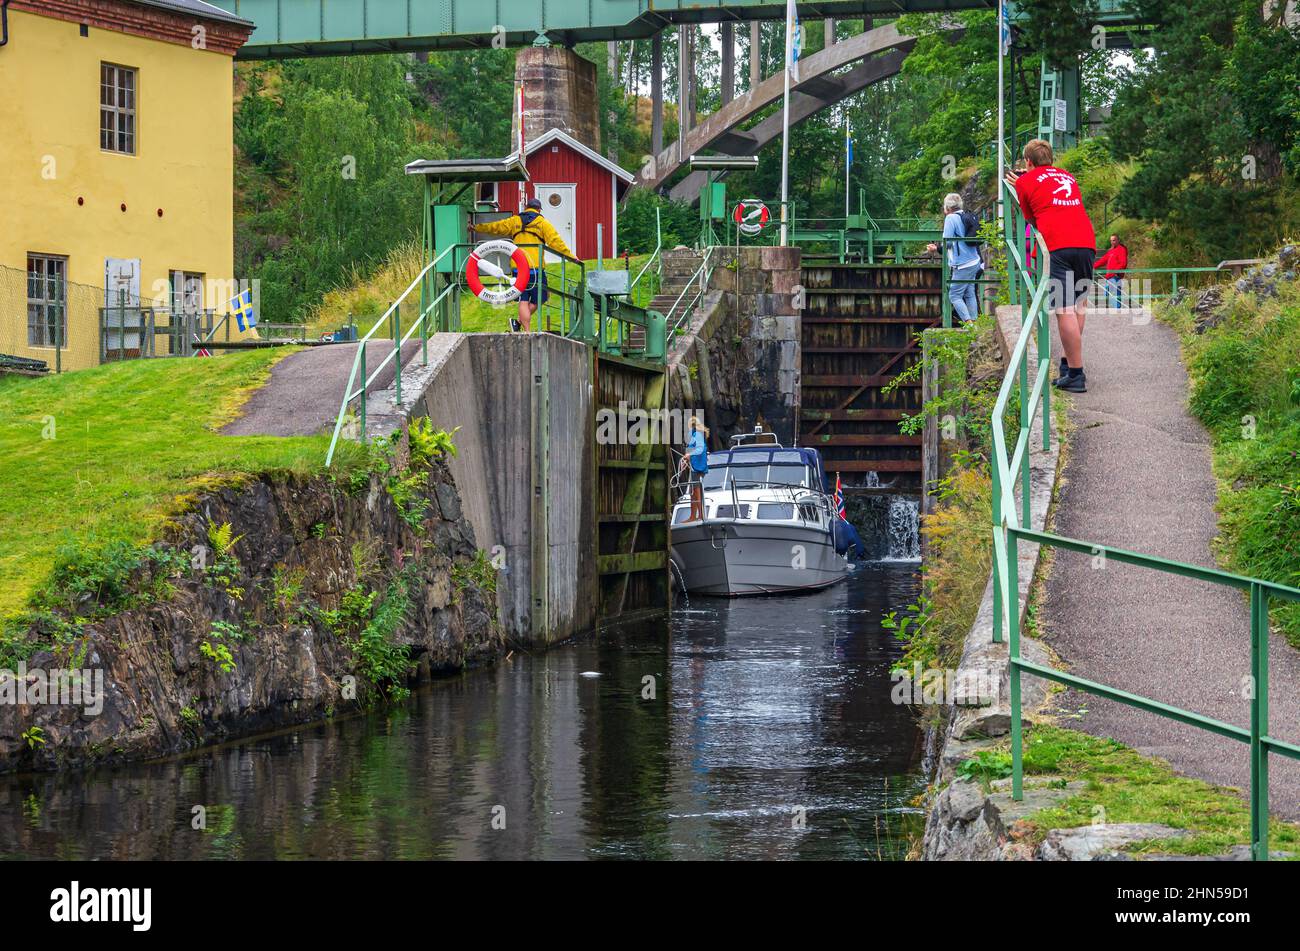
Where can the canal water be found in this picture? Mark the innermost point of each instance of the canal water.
(751, 729)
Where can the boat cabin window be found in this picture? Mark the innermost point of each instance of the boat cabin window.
(783, 511)
(729, 511)
(744, 475)
(808, 511)
(681, 514)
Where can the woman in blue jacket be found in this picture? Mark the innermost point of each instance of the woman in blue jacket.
(697, 454)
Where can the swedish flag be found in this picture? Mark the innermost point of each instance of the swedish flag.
(242, 307)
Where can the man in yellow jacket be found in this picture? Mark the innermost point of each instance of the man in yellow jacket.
(528, 230)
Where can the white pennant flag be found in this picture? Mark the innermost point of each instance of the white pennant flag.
(793, 39)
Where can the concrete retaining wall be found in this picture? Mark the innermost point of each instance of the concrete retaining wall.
(523, 405)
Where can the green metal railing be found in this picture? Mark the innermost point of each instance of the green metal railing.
(1161, 283)
(692, 293)
(987, 280)
(1011, 526)
(857, 236)
(392, 319)
(601, 321)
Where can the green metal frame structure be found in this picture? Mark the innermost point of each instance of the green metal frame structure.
(292, 28)
(1011, 527)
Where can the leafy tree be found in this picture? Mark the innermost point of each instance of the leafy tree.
(325, 152)
(1209, 117)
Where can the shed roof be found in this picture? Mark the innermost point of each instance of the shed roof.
(562, 136)
(508, 169)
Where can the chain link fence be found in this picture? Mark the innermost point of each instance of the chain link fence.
(66, 326)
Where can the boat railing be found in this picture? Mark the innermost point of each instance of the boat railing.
(794, 492)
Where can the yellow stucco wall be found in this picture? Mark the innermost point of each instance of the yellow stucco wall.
(50, 153)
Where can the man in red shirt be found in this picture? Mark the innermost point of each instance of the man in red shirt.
(1115, 259)
(1053, 203)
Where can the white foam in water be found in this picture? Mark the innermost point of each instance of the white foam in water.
(904, 530)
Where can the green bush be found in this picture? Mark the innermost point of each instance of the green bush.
(1245, 387)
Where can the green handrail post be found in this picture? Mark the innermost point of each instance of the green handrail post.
(656, 335)
(1045, 352)
(1013, 671)
(1258, 723)
(996, 499)
(1025, 410)
(363, 391)
(397, 350)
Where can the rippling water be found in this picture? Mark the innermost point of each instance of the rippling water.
(770, 734)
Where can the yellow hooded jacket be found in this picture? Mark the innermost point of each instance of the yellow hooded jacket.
(537, 231)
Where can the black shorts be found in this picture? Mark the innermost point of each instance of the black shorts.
(1071, 276)
(536, 292)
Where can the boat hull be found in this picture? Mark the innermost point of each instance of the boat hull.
(733, 558)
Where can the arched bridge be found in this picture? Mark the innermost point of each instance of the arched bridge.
(819, 86)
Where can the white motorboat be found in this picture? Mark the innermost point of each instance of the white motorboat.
(770, 524)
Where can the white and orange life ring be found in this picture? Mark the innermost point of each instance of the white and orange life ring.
(750, 216)
(498, 294)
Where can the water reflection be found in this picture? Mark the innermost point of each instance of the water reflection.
(770, 735)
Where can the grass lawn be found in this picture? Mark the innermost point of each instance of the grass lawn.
(1128, 787)
(110, 453)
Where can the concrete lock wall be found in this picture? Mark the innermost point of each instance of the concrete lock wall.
(523, 467)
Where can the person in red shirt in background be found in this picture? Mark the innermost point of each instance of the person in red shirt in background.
(1053, 203)
(1115, 259)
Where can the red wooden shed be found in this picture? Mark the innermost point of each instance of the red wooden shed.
(578, 189)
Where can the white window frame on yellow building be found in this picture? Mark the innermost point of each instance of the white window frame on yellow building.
(119, 110)
(44, 302)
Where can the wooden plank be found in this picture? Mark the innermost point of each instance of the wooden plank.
(874, 465)
(630, 464)
(639, 517)
(852, 414)
(624, 564)
(864, 319)
(855, 380)
(850, 349)
(874, 290)
(864, 439)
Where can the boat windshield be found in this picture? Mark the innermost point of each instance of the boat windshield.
(746, 469)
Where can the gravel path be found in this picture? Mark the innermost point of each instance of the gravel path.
(1138, 476)
(302, 397)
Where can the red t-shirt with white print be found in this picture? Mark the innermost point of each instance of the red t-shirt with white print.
(1052, 202)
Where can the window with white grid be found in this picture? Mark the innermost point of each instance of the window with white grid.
(47, 300)
(117, 87)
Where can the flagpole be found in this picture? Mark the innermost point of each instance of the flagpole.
(785, 127)
(1001, 146)
(848, 160)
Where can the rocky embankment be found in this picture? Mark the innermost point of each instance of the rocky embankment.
(280, 600)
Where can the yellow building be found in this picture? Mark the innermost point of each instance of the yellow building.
(118, 157)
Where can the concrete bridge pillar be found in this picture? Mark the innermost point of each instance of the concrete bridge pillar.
(728, 63)
(559, 92)
(755, 68)
(828, 25)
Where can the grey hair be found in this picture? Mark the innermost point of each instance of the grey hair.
(952, 202)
